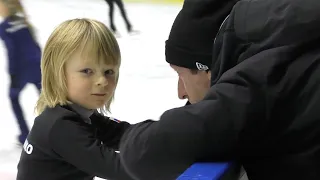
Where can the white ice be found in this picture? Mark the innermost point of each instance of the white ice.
(147, 85)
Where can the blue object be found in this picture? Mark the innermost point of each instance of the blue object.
(205, 171)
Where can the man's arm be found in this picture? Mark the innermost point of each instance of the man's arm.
(211, 130)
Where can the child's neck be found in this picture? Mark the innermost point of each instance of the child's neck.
(81, 110)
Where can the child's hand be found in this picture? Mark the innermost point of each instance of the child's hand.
(108, 131)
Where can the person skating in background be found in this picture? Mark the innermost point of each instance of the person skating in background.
(123, 13)
(24, 56)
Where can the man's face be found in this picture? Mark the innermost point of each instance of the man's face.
(192, 85)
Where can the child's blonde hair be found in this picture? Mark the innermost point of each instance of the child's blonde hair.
(69, 37)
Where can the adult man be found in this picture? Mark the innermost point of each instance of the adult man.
(190, 43)
(262, 108)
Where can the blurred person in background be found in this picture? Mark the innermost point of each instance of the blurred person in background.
(123, 12)
(24, 56)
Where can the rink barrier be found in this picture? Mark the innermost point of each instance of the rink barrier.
(211, 171)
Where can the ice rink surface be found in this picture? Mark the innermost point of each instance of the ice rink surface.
(147, 85)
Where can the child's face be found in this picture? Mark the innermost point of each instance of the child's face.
(89, 83)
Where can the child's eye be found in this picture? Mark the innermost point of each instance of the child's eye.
(87, 71)
(109, 72)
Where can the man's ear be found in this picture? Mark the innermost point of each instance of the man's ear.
(209, 75)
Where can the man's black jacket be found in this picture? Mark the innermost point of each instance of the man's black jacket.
(263, 107)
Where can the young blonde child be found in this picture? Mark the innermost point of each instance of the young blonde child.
(70, 139)
(24, 56)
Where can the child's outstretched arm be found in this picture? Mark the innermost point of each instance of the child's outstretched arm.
(109, 130)
(75, 143)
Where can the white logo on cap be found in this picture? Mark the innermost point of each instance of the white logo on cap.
(201, 67)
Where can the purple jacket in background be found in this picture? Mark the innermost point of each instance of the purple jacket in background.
(24, 53)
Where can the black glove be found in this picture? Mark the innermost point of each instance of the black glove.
(108, 131)
(14, 83)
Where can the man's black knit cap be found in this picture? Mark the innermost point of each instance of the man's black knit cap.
(191, 39)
